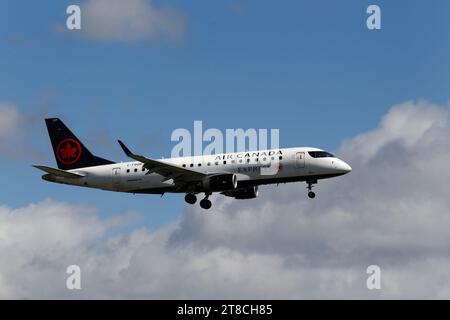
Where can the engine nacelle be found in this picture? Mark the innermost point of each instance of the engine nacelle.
(247, 193)
(220, 182)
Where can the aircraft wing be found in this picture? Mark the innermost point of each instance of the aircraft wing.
(59, 172)
(168, 171)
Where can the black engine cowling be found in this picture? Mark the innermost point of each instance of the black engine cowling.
(247, 193)
(220, 182)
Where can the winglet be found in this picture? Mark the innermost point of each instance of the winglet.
(124, 148)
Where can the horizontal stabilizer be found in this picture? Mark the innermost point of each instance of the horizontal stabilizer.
(59, 172)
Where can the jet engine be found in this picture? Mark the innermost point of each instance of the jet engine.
(247, 193)
(220, 182)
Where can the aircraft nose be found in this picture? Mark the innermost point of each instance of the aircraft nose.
(344, 167)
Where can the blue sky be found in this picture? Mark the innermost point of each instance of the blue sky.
(310, 68)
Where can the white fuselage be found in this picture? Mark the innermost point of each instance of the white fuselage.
(252, 168)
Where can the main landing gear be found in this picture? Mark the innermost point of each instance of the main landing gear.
(190, 198)
(310, 183)
(204, 203)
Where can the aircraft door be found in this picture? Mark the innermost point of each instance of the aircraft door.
(116, 177)
(300, 159)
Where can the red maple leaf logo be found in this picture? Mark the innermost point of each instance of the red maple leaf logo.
(68, 152)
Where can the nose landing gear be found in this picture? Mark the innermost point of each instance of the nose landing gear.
(310, 183)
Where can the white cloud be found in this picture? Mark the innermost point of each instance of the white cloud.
(130, 20)
(39, 241)
(405, 123)
(392, 210)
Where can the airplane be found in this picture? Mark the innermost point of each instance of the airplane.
(237, 175)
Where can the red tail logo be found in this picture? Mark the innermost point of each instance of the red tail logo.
(68, 151)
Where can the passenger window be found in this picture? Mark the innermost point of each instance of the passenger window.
(216, 163)
(135, 170)
(199, 164)
(184, 165)
(128, 170)
(191, 165)
(224, 162)
(280, 157)
(209, 163)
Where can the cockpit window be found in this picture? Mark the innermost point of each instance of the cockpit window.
(320, 154)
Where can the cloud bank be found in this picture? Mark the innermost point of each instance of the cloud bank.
(392, 211)
(130, 21)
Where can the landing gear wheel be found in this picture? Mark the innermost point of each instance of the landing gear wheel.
(310, 183)
(205, 204)
(190, 198)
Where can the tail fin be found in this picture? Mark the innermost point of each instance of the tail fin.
(70, 153)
